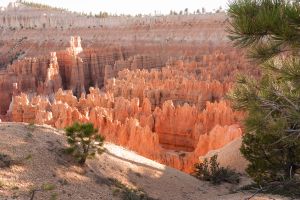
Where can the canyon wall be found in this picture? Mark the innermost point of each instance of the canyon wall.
(77, 69)
(22, 16)
(29, 32)
(173, 115)
(74, 69)
(155, 85)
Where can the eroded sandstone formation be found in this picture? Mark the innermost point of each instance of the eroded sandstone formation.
(73, 69)
(33, 75)
(172, 114)
(29, 32)
(77, 69)
(175, 134)
(155, 85)
(193, 82)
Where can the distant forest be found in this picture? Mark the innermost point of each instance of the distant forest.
(102, 14)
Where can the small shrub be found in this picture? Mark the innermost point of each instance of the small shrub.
(31, 126)
(127, 193)
(28, 157)
(48, 186)
(63, 182)
(29, 135)
(134, 194)
(15, 188)
(53, 196)
(84, 141)
(5, 160)
(212, 172)
(115, 191)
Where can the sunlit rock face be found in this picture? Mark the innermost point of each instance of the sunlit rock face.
(155, 85)
(106, 46)
(173, 115)
(173, 135)
(71, 69)
(77, 69)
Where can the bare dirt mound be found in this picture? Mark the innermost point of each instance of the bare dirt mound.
(40, 170)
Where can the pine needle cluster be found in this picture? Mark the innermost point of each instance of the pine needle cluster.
(84, 140)
(270, 32)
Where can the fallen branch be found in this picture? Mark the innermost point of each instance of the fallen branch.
(33, 193)
(255, 193)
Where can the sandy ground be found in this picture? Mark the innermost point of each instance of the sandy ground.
(230, 156)
(41, 166)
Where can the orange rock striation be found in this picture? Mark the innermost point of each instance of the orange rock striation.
(77, 69)
(193, 83)
(162, 79)
(175, 135)
(73, 69)
(32, 75)
(27, 32)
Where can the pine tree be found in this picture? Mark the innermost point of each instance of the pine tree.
(84, 141)
(270, 32)
(186, 11)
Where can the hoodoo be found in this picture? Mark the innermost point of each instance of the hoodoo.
(129, 103)
(163, 98)
(172, 114)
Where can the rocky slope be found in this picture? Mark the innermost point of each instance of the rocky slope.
(39, 165)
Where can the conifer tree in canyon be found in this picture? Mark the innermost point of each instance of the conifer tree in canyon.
(270, 32)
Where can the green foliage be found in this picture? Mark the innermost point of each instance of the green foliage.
(269, 30)
(131, 194)
(102, 15)
(212, 172)
(48, 186)
(128, 193)
(31, 126)
(270, 26)
(53, 196)
(40, 6)
(28, 157)
(84, 141)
